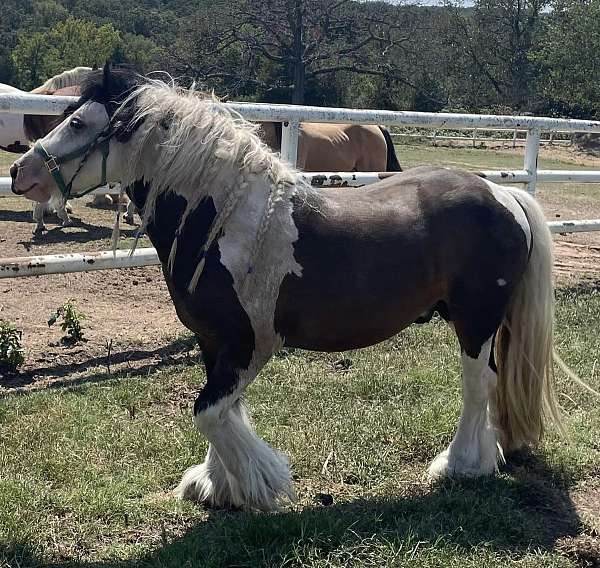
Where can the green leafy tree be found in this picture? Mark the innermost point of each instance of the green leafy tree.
(491, 47)
(68, 44)
(568, 57)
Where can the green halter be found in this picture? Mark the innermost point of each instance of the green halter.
(53, 163)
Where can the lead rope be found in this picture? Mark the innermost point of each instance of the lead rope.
(116, 232)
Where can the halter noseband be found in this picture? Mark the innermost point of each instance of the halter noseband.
(53, 163)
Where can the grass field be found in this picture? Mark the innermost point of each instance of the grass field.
(86, 471)
(87, 468)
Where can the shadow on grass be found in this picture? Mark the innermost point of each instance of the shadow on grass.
(160, 357)
(526, 511)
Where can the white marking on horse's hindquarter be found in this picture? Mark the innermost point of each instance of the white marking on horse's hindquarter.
(501, 282)
(502, 196)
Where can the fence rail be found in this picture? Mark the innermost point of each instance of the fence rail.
(24, 266)
(476, 137)
(291, 116)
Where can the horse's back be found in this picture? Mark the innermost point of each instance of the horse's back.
(341, 147)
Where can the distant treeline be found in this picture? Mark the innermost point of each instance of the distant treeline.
(538, 56)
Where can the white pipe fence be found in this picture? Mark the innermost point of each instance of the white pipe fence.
(291, 116)
(476, 137)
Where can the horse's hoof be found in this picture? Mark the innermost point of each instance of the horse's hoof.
(440, 467)
(129, 220)
(39, 231)
(446, 464)
(203, 485)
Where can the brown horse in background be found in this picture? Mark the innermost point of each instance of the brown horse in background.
(338, 147)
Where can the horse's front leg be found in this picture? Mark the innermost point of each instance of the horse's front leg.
(38, 216)
(62, 212)
(128, 217)
(240, 469)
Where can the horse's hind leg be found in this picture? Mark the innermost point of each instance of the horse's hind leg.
(240, 469)
(474, 448)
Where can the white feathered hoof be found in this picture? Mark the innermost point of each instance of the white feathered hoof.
(202, 484)
(452, 463)
(266, 484)
(267, 488)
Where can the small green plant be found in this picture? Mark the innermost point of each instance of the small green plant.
(11, 350)
(71, 321)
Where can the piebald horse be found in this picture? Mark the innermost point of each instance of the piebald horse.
(256, 259)
(338, 147)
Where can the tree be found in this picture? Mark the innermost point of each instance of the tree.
(284, 48)
(568, 58)
(68, 44)
(493, 46)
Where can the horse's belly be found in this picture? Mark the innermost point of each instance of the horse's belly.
(341, 318)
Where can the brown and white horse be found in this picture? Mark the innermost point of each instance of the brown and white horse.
(13, 137)
(256, 259)
(338, 147)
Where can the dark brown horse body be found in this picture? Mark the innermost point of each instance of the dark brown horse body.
(380, 236)
(38, 125)
(255, 259)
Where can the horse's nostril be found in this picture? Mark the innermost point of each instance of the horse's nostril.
(14, 170)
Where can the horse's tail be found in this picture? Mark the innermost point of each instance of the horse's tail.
(526, 397)
(392, 165)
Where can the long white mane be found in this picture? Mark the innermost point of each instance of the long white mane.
(65, 79)
(201, 146)
(195, 146)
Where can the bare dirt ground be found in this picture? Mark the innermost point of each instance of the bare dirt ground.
(131, 308)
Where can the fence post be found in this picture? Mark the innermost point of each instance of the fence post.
(514, 143)
(532, 149)
(289, 142)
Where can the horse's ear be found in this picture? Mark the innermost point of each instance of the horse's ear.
(106, 76)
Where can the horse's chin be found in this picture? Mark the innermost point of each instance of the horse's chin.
(38, 193)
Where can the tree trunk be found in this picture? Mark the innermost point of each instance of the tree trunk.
(299, 72)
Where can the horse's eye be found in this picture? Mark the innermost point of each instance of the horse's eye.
(77, 123)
